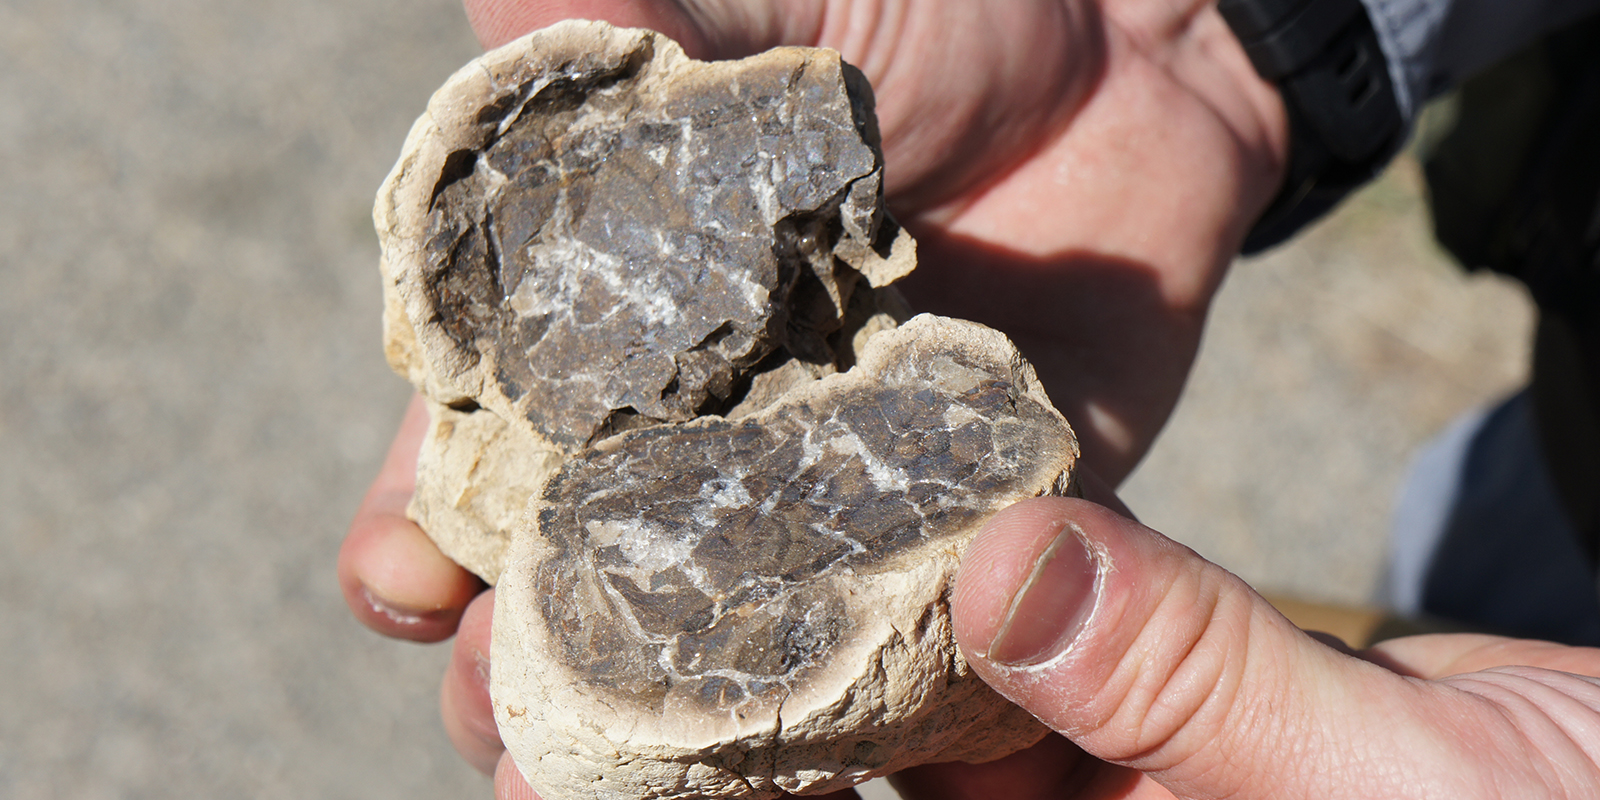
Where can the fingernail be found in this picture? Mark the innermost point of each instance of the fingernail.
(397, 612)
(1052, 605)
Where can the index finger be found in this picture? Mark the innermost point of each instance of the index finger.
(394, 578)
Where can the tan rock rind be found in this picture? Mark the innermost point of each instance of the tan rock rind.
(598, 696)
(475, 474)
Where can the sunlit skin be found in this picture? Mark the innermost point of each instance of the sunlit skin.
(1079, 175)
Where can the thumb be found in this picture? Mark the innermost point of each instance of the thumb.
(1148, 656)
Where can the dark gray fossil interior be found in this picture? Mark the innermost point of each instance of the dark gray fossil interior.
(622, 254)
(700, 564)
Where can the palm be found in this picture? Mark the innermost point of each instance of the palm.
(965, 88)
(1043, 152)
(1022, 142)
(1054, 769)
(1044, 224)
(1029, 187)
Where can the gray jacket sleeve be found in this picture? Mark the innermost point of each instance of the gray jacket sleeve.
(1434, 44)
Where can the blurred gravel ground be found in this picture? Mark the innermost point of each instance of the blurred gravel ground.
(194, 398)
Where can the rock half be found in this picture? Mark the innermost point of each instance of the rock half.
(588, 232)
(727, 608)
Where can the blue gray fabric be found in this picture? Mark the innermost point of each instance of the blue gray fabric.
(1435, 44)
(1481, 538)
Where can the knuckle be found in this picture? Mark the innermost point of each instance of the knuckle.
(1176, 693)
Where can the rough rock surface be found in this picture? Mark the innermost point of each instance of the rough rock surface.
(651, 296)
(727, 608)
(476, 471)
(475, 475)
(589, 232)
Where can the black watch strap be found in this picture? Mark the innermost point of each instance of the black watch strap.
(1344, 121)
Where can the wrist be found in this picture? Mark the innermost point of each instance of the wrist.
(1344, 119)
(1255, 108)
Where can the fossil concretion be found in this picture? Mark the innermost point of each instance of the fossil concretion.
(677, 418)
(737, 606)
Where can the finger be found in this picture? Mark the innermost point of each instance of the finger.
(499, 21)
(509, 783)
(464, 694)
(1442, 655)
(393, 577)
(1099, 492)
(1054, 768)
(1148, 656)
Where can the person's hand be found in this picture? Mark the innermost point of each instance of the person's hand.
(1167, 676)
(394, 578)
(1078, 173)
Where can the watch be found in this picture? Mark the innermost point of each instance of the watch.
(1344, 121)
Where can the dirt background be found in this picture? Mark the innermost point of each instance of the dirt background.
(194, 399)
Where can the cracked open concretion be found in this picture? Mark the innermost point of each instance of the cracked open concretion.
(677, 419)
(719, 553)
(760, 603)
